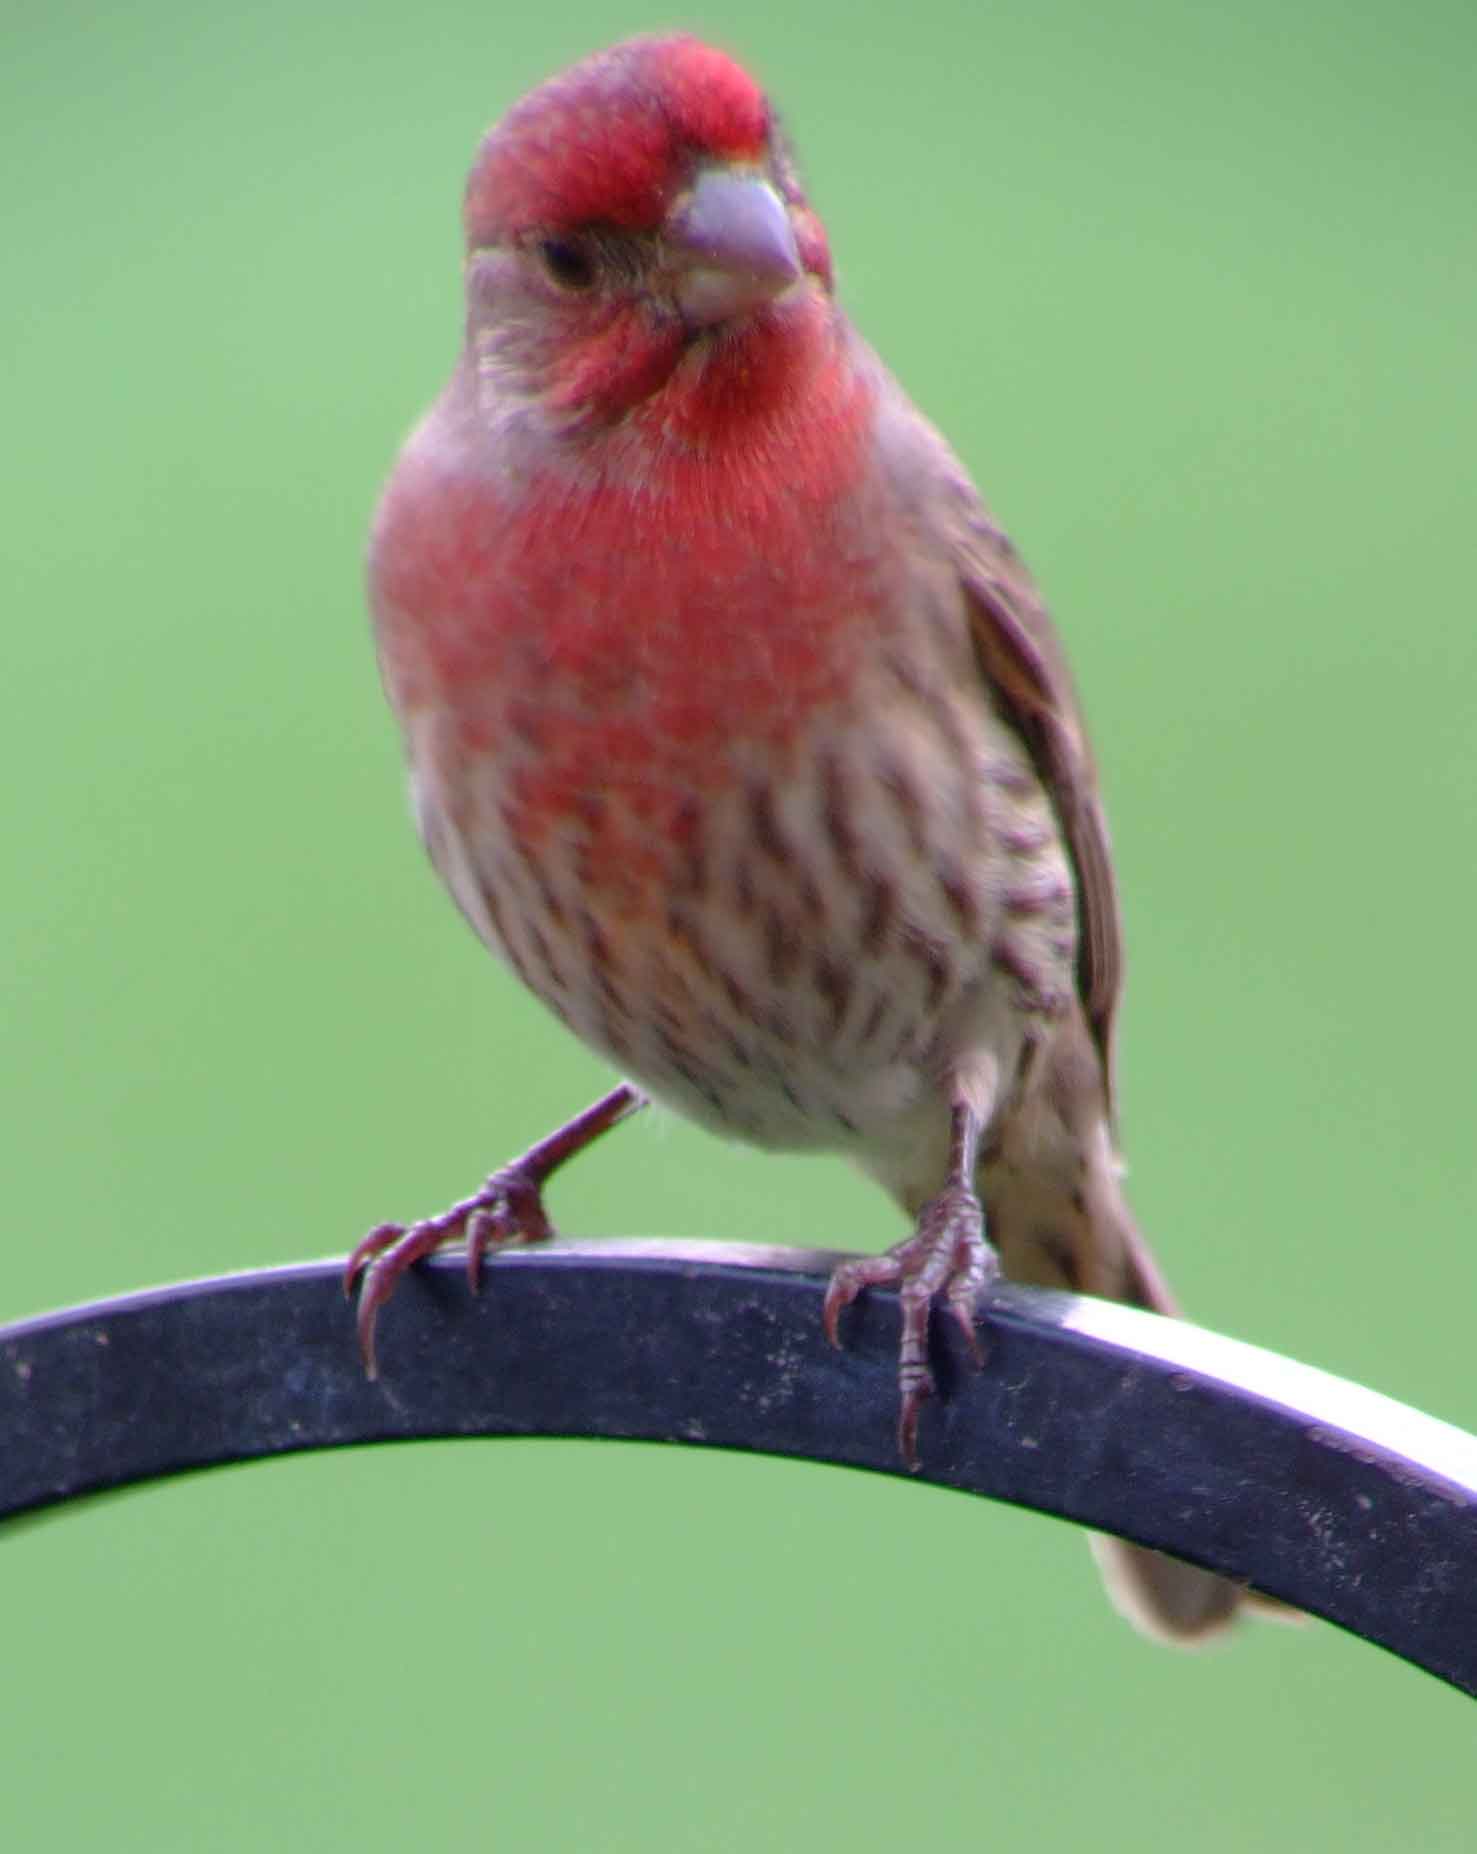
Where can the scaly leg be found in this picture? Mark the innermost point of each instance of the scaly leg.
(508, 1209)
(947, 1255)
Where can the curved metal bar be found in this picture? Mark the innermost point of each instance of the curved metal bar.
(1311, 1488)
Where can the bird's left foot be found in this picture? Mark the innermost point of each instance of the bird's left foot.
(947, 1258)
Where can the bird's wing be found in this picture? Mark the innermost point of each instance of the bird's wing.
(1023, 661)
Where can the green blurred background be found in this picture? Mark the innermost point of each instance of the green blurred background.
(1194, 290)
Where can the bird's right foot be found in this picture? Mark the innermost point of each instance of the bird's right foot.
(507, 1212)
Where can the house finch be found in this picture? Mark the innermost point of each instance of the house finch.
(737, 728)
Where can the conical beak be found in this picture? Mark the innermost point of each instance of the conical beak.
(732, 246)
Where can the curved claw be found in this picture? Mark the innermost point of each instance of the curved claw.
(509, 1209)
(847, 1281)
(481, 1234)
(964, 1298)
(907, 1424)
(364, 1251)
(370, 1303)
(394, 1257)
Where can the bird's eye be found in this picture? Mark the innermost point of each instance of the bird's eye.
(569, 264)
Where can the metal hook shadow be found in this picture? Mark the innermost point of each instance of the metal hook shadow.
(1309, 1487)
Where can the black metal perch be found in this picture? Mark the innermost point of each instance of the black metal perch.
(1314, 1489)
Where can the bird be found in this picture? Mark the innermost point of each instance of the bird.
(736, 727)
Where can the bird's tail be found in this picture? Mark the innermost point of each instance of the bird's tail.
(1085, 1239)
